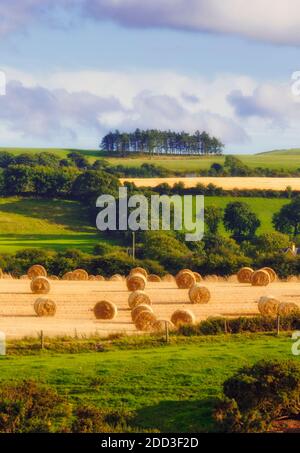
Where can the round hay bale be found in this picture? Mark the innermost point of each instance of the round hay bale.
(138, 309)
(80, 274)
(260, 278)
(197, 277)
(68, 276)
(116, 278)
(138, 298)
(36, 271)
(271, 272)
(53, 277)
(160, 325)
(153, 278)
(292, 279)
(244, 275)
(288, 308)
(145, 321)
(268, 306)
(40, 285)
(100, 278)
(182, 317)
(92, 277)
(45, 307)
(139, 270)
(105, 310)
(135, 282)
(185, 270)
(185, 279)
(1, 273)
(168, 278)
(199, 294)
(24, 277)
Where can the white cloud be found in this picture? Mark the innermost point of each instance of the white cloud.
(70, 104)
(265, 20)
(78, 107)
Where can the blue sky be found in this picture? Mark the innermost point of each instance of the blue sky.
(76, 69)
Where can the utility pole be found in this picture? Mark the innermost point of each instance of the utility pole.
(133, 245)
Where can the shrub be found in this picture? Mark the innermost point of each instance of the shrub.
(257, 395)
(216, 325)
(30, 407)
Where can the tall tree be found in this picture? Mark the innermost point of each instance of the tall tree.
(287, 220)
(240, 220)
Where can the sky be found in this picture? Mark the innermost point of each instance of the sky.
(76, 69)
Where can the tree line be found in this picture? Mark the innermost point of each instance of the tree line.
(153, 141)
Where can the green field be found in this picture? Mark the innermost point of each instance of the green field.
(62, 224)
(280, 159)
(263, 207)
(170, 388)
(55, 224)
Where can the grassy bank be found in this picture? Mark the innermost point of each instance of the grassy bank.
(170, 387)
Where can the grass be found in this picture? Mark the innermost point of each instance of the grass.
(62, 224)
(278, 159)
(54, 224)
(263, 207)
(171, 388)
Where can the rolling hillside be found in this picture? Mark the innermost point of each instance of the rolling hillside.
(61, 224)
(278, 159)
(53, 224)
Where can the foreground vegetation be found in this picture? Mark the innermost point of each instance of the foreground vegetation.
(168, 387)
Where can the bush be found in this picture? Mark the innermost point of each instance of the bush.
(256, 396)
(90, 419)
(216, 325)
(29, 407)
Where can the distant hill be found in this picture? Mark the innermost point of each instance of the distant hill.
(282, 152)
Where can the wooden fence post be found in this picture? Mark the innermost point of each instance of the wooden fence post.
(42, 339)
(278, 325)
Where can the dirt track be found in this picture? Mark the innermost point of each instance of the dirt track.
(228, 183)
(76, 299)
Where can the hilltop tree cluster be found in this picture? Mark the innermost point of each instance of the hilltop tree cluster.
(153, 141)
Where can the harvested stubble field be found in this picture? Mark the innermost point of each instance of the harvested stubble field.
(227, 183)
(75, 301)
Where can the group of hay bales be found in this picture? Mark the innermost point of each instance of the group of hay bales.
(139, 302)
(40, 285)
(272, 307)
(261, 277)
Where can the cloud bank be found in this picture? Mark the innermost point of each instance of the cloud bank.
(79, 107)
(276, 22)
(69, 106)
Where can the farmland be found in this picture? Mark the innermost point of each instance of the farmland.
(280, 159)
(75, 301)
(55, 224)
(227, 183)
(170, 388)
(62, 224)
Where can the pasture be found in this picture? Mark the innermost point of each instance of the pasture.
(42, 223)
(278, 159)
(62, 224)
(171, 388)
